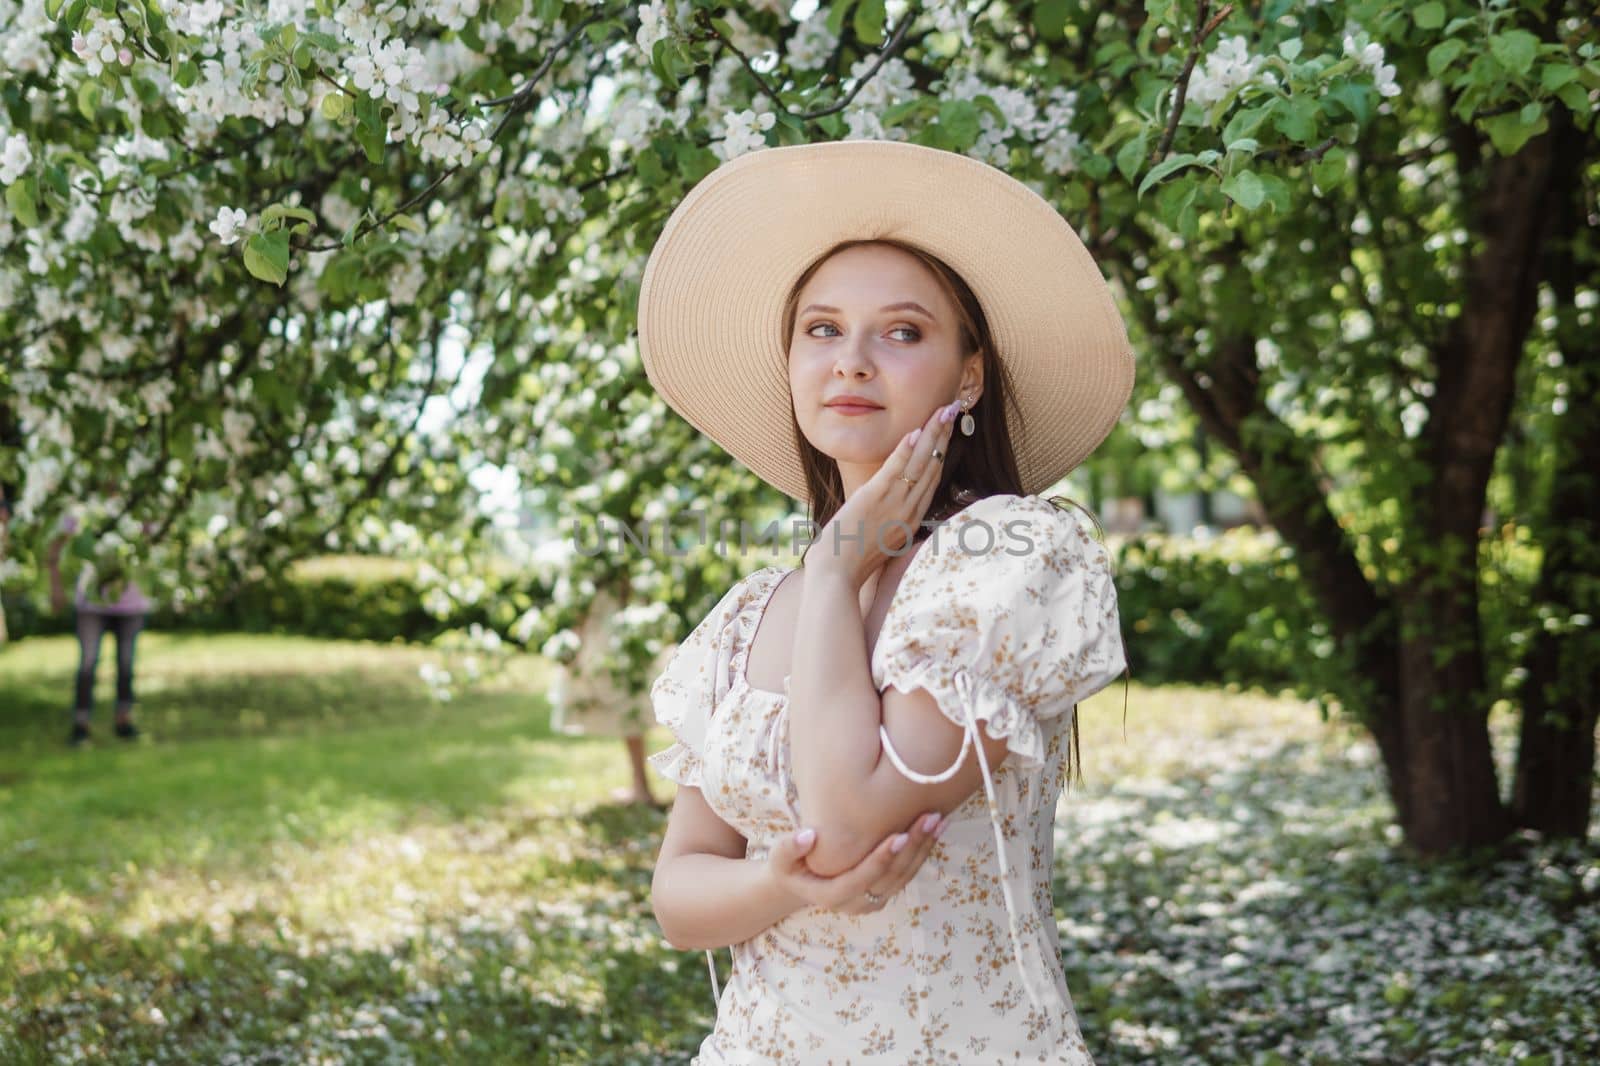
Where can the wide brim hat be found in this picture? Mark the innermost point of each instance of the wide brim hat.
(712, 296)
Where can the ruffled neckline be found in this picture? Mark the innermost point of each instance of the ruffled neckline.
(748, 618)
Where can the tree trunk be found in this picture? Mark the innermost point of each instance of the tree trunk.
(1561, 690)
(1418, 650)
(1449, 797)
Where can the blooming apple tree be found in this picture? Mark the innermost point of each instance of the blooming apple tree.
(248, 244)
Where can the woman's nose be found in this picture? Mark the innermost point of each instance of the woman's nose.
(854, 359)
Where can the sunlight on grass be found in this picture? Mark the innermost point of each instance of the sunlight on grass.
(307, 860)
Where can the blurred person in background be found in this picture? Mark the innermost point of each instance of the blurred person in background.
(586, 701)
(111, 600)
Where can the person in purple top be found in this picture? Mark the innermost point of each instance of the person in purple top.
(124, 614)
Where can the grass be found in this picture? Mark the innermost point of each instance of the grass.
(307, 860)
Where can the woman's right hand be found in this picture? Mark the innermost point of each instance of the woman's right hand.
(884, 871)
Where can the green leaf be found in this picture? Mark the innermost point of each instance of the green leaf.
(1574, 96)
(266, 255)
(333, 105)
(1050, 18)
(647, 164)
(1246, 121)
(1165, 167)
(917, 105)
(985, 101)
(1555, 75)
(88, 99)
(1509, 132)
(22, 197)
(506, 12)
(277, 211)
(1354, 98)
(1329, 171)
(52, 8)
(1429, 16)
(409, 224)
(868, 21)
(1131, 156)
(371, 142)
(959, 119)
(1245, 189)
(1296, 118)
(1290, 49)
(1277, 192)
(1443, 54)
(58, 181)
(188, 73)
(1514, 49)
(837, 14)
(1175, 200)
(659, 63)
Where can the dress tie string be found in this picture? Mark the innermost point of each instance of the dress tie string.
(969, 739)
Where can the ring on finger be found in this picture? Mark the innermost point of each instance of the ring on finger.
(938, 455)
(873, 898)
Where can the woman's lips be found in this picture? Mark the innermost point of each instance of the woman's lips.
(854, 408)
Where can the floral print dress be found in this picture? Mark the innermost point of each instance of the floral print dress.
(1010, 626)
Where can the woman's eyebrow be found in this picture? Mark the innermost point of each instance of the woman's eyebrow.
(905, 305)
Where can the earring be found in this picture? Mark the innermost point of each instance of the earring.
(968, 427)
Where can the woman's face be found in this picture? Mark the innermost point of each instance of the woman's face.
(856, 332)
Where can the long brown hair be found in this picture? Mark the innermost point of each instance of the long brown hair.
(979, 466)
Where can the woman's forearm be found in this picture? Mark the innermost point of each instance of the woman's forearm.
(710, 901)
(834, 714)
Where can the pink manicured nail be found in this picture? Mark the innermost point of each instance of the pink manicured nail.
(915, 434)
(805, 836)
(939, 832)
(898, 843)
(946, 414)
(929, 823)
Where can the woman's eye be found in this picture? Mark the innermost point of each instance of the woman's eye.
(915, 333)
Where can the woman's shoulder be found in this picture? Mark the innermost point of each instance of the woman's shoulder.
(1024, 534)
(742, 595)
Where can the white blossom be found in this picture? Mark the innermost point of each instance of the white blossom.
(744, 132)
(653, 26)
(1370, 55)
(1229, 66)
(228, 224)
(15, 158)
(813, 42)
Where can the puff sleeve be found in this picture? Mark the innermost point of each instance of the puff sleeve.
(689, 688)
(1010, 616)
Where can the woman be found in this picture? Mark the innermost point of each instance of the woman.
(587, 701)
(824, 312)
(122, 611)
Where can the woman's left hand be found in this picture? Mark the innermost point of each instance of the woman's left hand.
(867, 531)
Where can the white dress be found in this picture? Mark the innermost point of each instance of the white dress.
(962, 965)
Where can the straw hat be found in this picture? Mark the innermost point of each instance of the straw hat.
(711, 299)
